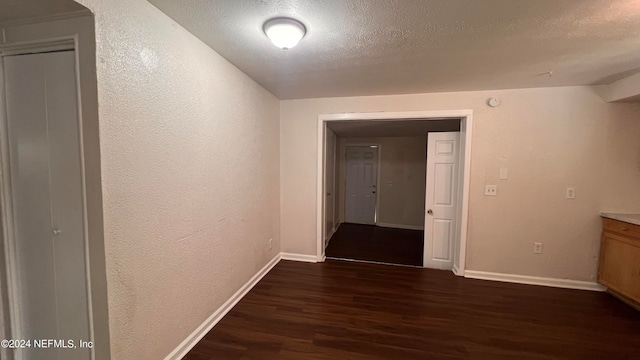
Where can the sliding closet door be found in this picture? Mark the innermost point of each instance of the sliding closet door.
(46, 183)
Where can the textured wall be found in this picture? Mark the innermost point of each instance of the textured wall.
(190, 175)
(548, 139)
(401, 189)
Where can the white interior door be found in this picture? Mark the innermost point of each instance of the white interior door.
(360, 197)
(441, 201)
(46, 190)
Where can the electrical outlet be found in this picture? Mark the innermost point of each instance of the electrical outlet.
(571, 193)
(491, 190)
(537, 248)
(270, 244)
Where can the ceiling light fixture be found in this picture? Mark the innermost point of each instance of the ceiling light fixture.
(283, 32)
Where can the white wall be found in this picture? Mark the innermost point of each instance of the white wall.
(548, 138)
(190, 174)
(401, 190)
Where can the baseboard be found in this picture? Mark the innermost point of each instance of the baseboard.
(456, 271)
(534, 280)
(187, 344)
(398, 226)
(328, 237)
(299, 257)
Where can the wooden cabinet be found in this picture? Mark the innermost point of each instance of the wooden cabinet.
(620, 260)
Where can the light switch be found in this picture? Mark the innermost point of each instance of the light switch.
(503, 174)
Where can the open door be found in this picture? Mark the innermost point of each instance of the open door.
(441, 203)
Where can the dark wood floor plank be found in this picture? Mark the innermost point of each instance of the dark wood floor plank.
(379, 244)
(347, 310)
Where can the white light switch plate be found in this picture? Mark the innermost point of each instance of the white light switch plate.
(503, 174)
(491, 190)
(537, 248)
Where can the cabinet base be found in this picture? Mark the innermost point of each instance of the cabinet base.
(634, 304)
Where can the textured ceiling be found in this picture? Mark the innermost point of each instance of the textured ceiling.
(11, 10)
(365, 47)
(392, 128)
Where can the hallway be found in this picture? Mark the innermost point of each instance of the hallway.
(377, 244)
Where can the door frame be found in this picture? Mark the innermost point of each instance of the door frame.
(327, 237)
(376, 210)
(8, 268)
(464, 174)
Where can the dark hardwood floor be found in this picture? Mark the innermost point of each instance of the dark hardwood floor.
(373, 243)
(349, 310)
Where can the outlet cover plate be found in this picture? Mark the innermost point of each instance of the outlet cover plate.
(491, 190)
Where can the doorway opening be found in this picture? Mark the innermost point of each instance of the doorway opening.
(394, 187)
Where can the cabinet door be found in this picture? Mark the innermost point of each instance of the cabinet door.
(620, 267)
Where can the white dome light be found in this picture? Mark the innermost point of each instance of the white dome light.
(284, 33)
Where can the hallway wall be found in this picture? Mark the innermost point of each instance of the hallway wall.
(190, 174)
(401, 189)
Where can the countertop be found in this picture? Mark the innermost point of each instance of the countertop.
(629, 218)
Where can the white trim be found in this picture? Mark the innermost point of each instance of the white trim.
(336, 177)
(47, 18)
(400, 226)
(397, 115)
(83, 178)
(535, 280)
(326, 188)
(466, 116)
(456, 271)
(12, 307)
(301, 257)
(38, 46)
(320, 193)
(329, 236)
(466, 131)
(187, 344)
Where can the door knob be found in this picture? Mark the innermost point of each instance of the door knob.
(56, 231)
(430, 212)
